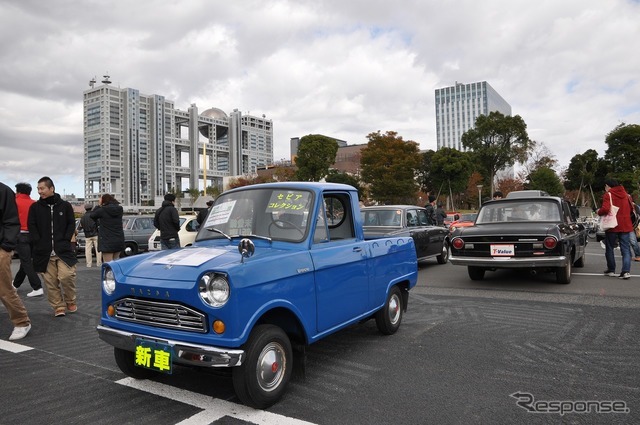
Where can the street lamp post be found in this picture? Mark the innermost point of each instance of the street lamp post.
(479, 196)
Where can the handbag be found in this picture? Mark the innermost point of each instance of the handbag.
(635, 214)
(610, 221)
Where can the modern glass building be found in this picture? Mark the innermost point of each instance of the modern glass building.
(139, 147)
(458, 106)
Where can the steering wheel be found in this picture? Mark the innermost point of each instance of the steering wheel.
(283, 225)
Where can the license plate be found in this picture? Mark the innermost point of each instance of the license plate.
(503, 250)
(153, 355)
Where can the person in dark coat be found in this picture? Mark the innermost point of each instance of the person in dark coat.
(108, 216)
(202, 214)
(9, 231)
(441, 214)
(167, 220)
(431, 211)
(52, 225)
(90, 229)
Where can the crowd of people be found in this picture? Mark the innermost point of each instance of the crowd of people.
(43, 233)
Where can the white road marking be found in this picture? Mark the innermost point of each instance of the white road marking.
(213, 408)
(13, 347)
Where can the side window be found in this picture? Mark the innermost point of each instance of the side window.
(422, 218)
(192, 226)
(337, 213)
(412, 218)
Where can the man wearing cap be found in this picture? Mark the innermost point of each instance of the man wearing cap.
(167, 220)
(431, 211)
(202, 214)
(617, 196)
(90, 229)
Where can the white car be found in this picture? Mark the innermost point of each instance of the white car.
(187, 234)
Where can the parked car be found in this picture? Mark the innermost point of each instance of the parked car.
(529, 231)
(450, 218)
(464, 220)
(137, 230)
(274, 267)
(187, 234)
(407, 220)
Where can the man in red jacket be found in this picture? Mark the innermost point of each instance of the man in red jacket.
(616, 195)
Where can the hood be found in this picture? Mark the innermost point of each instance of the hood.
(167, 203)
(113, 210)
(188, 263)
(618, 192)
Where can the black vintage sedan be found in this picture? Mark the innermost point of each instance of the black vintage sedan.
(407, 220)
(530, 232)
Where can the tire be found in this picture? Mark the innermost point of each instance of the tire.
(124, 360)
(475, 273)
(130, 248)
(591, 233)
(580, 262)
(256, 383)
(563, 274)
(444, 256)
(389, 317)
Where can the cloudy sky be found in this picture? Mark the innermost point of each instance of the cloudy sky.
(343, 68)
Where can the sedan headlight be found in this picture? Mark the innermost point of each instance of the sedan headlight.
(214, 289)
(108, 281)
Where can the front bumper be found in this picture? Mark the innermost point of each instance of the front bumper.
(183, 352)
(510, 262)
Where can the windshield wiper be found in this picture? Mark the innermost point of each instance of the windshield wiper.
(213, 229)
(251, 235)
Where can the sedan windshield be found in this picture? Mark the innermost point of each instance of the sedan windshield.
(525, 210)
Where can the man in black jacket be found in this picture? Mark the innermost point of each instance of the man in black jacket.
(167, 220)
(90, 229)
(9, 230)
(51, 227)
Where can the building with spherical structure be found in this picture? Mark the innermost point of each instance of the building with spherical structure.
(139, 147)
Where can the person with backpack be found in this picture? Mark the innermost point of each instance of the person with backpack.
(431, 211)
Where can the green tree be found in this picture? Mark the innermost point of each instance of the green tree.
(389, 165)
(316, 153)
(497, 141)
(425, 176)
(581, 171)
(544, 178)
(344, 178)
(622, 154)
(450, 169)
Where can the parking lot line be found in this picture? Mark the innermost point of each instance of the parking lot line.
(12, 347)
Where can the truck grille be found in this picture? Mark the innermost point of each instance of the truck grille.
(161, 314)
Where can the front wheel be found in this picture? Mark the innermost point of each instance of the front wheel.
(124, 360)
(389, 317)
(263, 376)
(444, 256)
(130, 248)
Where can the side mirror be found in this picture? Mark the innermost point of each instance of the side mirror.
(246, 248)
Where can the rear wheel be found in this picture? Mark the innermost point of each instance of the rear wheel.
(444, 256)
(563, 274)
(124, 360)
(580, 261)
(475, 273)
(263, 376)
(389, 317)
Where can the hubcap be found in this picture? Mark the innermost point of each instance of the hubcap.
(394, 309)
(272, 364)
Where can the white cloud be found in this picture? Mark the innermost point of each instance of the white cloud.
(343, 69)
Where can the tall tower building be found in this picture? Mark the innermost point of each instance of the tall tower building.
(139, 147)
(458, 106)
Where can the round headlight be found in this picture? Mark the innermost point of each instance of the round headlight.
(214, 289)
(108, 281)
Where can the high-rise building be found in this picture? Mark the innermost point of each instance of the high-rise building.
(458, 106)
(139, 147)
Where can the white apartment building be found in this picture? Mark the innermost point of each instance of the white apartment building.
(457, 108)
(139, 147)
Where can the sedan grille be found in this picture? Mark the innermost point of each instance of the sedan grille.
(161, 314)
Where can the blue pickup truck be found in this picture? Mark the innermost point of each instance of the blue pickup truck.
(274, 267)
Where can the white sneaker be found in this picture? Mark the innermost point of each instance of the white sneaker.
(35, 293)
(19, 332)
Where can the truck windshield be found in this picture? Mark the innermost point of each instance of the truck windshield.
(278, 214)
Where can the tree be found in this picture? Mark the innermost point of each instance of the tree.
(497, 141)
(344, 178)
(450, 170)
(389, 166)
(622, 154)
(247, 181)
(316, 153)
(544, 178)
(425, 176)
(540, 156)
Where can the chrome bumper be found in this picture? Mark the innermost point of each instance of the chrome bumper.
(510, 262)
(183, 353)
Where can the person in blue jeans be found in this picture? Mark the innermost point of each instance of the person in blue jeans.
(616, 195)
